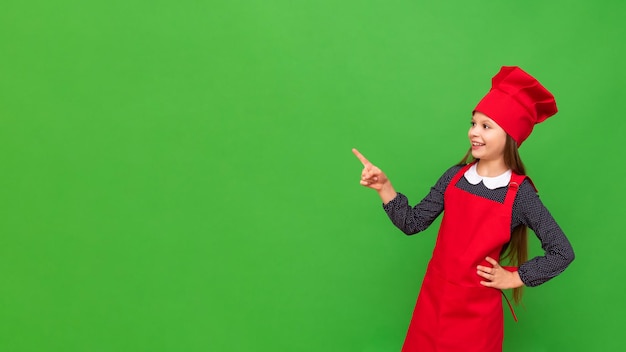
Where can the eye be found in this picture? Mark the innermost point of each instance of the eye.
(473, 123)
(485, 126)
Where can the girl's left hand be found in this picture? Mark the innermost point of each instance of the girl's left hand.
(499, 277)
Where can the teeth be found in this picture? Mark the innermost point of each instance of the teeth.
(476, 144)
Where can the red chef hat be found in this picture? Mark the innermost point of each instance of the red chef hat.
(516, 102)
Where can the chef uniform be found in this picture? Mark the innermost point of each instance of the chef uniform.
(454, 312)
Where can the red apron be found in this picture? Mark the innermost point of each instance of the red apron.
(454, 312)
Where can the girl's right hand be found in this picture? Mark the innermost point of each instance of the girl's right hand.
(371, 176)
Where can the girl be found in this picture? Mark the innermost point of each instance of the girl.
(488, 204)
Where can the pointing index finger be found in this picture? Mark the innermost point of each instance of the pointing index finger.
(364, 161)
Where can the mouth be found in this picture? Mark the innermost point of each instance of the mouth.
(476, 144)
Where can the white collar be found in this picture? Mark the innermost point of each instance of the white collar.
(490, 182)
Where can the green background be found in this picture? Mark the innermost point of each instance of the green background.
(177, 175)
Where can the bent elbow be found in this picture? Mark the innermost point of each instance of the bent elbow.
(566, 258)
(568, 254)
(410, 231)
(572, 256)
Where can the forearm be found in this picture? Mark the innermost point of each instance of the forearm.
(412, 220)
(557, 257)
(387, 193)
(543, 268)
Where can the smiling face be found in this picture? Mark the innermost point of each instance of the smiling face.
(487, 138)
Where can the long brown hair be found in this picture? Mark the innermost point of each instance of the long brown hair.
(516, 251)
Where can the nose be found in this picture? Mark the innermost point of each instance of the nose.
(473, 131)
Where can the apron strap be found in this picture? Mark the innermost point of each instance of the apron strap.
(510, 306)
(455, 179)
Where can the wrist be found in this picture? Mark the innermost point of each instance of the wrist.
(517, 280)
(386, 192)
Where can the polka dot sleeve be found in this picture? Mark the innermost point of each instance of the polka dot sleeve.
(412, 220)
(527, 210)
(530, 211)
